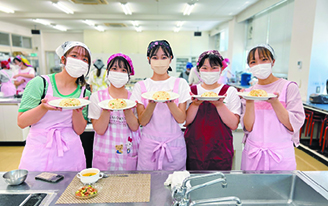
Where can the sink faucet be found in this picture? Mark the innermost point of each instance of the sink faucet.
(181, 194)
(217, 200)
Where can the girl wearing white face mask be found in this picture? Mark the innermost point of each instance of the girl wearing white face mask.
(117, 133)
(53, 142)
(162, 146)
(271, 127)
(209, 123)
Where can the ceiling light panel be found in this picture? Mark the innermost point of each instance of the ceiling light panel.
(59, 28)
(188, 9)
(6, 10)
(41, 21)
(62, 7)
(126, 8)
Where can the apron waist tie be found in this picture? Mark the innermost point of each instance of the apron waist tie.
(159, 152)
(257, 151)
(54, 134)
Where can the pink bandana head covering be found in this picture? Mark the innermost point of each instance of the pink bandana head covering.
(125, 57)
(225, 62)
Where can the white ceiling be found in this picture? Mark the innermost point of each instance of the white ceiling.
(149, 14)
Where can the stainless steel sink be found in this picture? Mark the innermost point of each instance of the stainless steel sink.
(265, 188)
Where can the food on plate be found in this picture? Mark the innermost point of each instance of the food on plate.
(258, 93)
(117, 104)
(87, 191)
(210, 94)
(70, 102)
(161, 95)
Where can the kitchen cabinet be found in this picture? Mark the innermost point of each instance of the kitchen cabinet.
(9, 130)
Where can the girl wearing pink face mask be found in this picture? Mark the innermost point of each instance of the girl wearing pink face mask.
(117, 133)
(162, 146)
(271, 127)
(209, 123)
(53, 142)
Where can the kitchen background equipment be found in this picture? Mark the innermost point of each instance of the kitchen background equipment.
(245, 78)
(15, 177)
(318, 98)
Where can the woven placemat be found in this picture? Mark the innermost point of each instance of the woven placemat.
(114, 189)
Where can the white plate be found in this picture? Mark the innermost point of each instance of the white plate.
(199, 97)
(56, 102)
(149, 95)
(246, 95)
(129, 104)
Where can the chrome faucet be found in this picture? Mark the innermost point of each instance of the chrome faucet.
(181, 194)
(217, 200)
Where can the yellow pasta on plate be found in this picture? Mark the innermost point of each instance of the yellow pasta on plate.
(161, 95)
(117, 104)
(70, 102)
(258, 93)
(210, 94)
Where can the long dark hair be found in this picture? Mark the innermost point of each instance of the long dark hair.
(81, 80)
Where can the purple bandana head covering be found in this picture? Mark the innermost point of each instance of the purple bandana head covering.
(162, 43)
(125, 57)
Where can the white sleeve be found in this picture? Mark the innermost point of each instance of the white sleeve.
(136, 93)
(90, 79)
(184, 91)
(94, 109)
(31, 71)
(233, 101)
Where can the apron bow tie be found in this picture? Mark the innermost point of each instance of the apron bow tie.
(164, 149)
(256, 153)
(54, 134)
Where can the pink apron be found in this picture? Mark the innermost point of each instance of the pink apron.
(22, 86)
(117, 149)
(159, 148)
(208, 139)
(52, 144)
(8, 88)
(269, 146)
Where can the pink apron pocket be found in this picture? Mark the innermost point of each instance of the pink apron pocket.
(100, 161)
(131, 162)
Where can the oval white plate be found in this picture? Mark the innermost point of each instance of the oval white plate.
(246, 95)
(199, 97)
(56, 102)
(129, 104)
(149, 96)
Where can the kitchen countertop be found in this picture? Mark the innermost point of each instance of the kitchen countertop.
(323, 108)
(159, 195)
(10, 100)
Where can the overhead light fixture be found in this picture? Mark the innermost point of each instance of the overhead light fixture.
(180, 23)
(135, 23)
(88, 22)
(138, 29)
(99, 28)
(126, 9)
(59, 27)
(62, 7)
(41, 21)
(188, 9)
(177, 29)
(6, 10)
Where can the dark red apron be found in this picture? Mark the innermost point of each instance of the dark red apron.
(208, 139)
